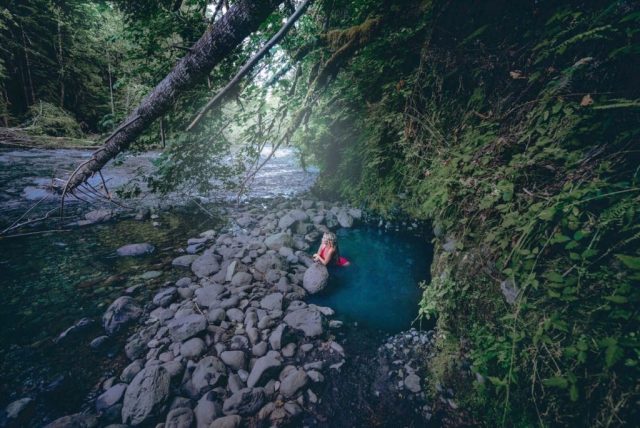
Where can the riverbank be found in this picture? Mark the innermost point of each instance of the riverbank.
(237, 306)
(20, 138)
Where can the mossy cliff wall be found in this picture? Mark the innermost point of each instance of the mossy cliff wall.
(515, 129)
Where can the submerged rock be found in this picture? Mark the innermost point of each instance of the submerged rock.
(135, 250)
(78, 327)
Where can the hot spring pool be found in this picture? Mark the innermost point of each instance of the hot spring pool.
(379, 290)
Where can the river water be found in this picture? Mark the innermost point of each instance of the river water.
(51, 280)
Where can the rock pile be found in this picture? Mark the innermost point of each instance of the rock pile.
(232, 342)
(401, 368)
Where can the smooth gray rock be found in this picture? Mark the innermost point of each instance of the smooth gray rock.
(315, 278)
(245, 402)
(344, 219)
(132, 250)
(272, 302)
(275, 339)
(241, 278)
(146, 396)
(232, 421)
(307, 320)
(268, 261)
(293, 382)
(275, 242)
(161, 314)
(209, 373)
(215, 316)
(186, 327)
(121, 312)
(263, 368)
(235, 315)
(184, 261)
(207, 410)
(259, 349)
(286, 222)
(181, 417)
(192, 348)
(110, 397)
(412, 382)
(165, 297)
(209, 296)
(234, 359)
(131, 371)
(205, 265)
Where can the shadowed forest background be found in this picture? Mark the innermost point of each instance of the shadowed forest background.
(512, 127)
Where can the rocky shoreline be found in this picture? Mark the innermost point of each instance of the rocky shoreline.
(233, 342)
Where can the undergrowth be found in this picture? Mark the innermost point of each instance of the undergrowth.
(515, 130)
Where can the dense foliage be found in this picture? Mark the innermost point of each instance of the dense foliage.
(515, 130)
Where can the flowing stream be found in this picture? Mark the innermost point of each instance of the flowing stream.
(52, 280)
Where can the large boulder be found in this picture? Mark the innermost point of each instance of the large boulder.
(264, 367)
(135, 250)
(315, 278)
(205, 265)
(245, 402)
(146, 396)
(279, 240)
(308, 320)
(186, 327)
(120, 313)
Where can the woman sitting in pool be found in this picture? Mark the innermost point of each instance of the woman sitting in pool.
(329, 251)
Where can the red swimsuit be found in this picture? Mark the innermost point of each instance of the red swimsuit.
(341, 261)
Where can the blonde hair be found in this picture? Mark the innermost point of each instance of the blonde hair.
(330, 238)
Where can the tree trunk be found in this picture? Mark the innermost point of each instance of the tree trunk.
(250, 64)
(28, 63)
(113, 107)
(61, 61)
(5, 112)
(218, 41)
